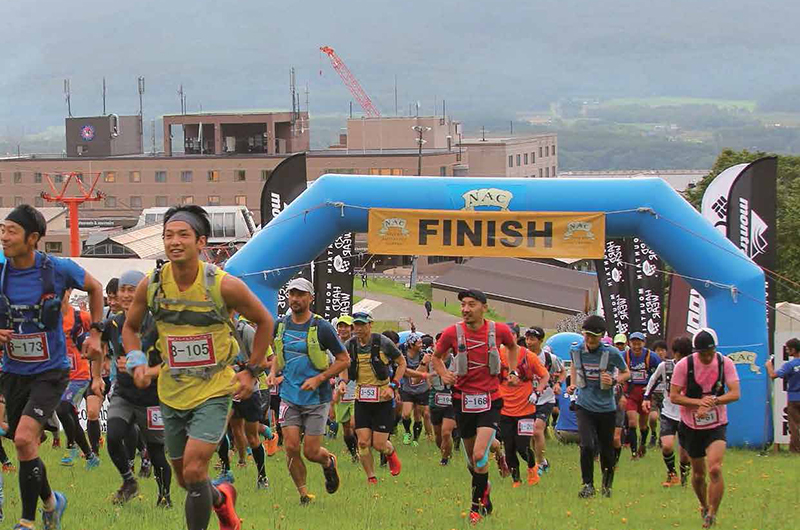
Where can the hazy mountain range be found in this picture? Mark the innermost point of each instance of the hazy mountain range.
(487, 59)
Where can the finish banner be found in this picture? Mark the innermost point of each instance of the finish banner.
(579, 235)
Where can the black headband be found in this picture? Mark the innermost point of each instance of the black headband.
(25, 219)
(189, 218)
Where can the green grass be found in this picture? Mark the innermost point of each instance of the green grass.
(749, 105)
(760, 494)
(422, 292)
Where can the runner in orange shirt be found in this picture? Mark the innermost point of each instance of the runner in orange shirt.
(517, 417)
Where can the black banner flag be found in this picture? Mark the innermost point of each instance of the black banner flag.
(646, 285)
(613, 278)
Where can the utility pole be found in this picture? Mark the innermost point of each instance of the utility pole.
(104, 96)
(67, 96)
(182, 96)
(420, 130)
(395, 95)
(140, 82)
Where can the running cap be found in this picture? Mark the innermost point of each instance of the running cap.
(638, 335)
(704, 339)
(514, 327)
(413, 338)
(362, 317)
(620, 338)
(472, 293)
(300, 284)
(594, 324)
(131, 277)
(345, 319)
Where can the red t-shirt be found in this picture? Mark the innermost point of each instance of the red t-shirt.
(478, 379)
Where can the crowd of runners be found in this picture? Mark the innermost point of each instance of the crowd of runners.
(195, 366)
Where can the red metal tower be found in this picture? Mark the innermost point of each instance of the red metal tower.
(72, 204)
(352, 83)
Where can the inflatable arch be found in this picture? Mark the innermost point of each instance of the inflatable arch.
(647, 208)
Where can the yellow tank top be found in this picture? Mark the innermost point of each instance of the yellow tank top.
(192, 340)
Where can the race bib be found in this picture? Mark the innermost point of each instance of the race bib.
(196, 351)
(72, 362)
(709, 418)
(28, 348)
(443, 399)
(526, 427)
(274, 390)
(638, 375)
(474, 403)
(282, 412)
(154, 420)
(368, 393)
(349, 394)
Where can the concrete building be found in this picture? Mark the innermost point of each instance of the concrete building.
(533, 156)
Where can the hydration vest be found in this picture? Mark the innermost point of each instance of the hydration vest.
(45, 314)
(628, 358)
(576, 353)
(694, 390)
(379, 368)
(462, 362)
(318, 356)
(436, 381)
(669, 368)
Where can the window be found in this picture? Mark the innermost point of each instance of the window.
(510, 160)
(213, 176)
(161, 200)
(136, 201)
(553, 150)
(241, 200)
(17, 201)
(554, 171)
(519, 160)
(186, 176)
(547, 150)
(38, 202)
(526, 159)
(17, 177)
(397, 171)
(1, 178)
(187, 199)
(110, 176)
(540, 151)
(239, 175)
(161, 176)
(53, 247)
(1, 202)
(213, 200)
(533, 158)
(111, 202)
(223, 225)
(135, 176)
(541, 173)
(265, 173)
(58, 178)
(443, 171)
(547, 172)
(37, 178)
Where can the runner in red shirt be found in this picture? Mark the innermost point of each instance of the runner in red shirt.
(476, 383)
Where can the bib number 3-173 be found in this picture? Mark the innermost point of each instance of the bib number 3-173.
(196, 351)
(474, 403)
(28, 348)
(154, 420)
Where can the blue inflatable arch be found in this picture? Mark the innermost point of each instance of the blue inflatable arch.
(647, 208)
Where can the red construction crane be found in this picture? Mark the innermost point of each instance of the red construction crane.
(351, 82)
(72, 203)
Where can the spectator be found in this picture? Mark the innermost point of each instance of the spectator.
(428, 309)
(790, 372)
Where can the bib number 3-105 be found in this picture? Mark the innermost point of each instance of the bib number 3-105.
(196, 351)
(28, 348)
(474, 403)
(154, 420)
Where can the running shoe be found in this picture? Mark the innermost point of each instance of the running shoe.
(383, 460)
(241, 463)
(407, 438)
(642, 450)
(226, 512)
(444, 461)
(709, 521)
(544, 467)
(672, 480)
(486, 501)
(533, 475)
(52, 520)
(502, 464)
(8, 467)
(306, 499)
(93, 461)
(394, 463)
(605, 492)
(69, 458)
(146, 469)
(372, 481)
(475, 518)
(652, 442)
(271, 445)
(164, 501)
(414, 443)
(128, 490)
(587, 491)
(684, 478)
(262, 483)
(331, 475)
(226, 477)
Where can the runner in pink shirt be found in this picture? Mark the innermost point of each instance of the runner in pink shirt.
(702, 387)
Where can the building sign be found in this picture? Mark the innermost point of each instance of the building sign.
(87, 133)
(486, 233)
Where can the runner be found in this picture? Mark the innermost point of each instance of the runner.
(131, 406)
(698, 386)
(476, 397)
(414, 389)
(371, 355)
(534, 337)
(443, 416)
(518, 416)
(658, 393)
(790, 373)
(35, 363)
(302, 343)
(642, 363)
(112, 300)
(191, 303)
(670, 413)
(345, 394)
(592, 371)
(76, 324)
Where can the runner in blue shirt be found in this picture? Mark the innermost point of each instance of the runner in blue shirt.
(790, 373)
(35, 363)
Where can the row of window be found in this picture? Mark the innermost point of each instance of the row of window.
(239, 175)
(547, 150)
(135, 201)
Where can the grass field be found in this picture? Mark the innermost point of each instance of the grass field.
(761, 494)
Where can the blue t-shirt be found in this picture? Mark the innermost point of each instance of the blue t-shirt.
(37, 351)
(298, 364)
(790, 371)
(640, 374)
(592, 397)
(566, 417)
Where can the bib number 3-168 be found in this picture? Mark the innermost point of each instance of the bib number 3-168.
(196, 351)
(474, 403)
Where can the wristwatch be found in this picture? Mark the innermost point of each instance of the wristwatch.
(99, 326)
(255, 371)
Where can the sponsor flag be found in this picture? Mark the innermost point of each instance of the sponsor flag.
(333, 278)
(612, 276)
(646, 285)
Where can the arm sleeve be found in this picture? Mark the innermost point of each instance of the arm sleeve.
(389, 348)
(658, 374)
(328, 338)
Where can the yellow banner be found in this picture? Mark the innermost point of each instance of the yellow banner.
(576, 235)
